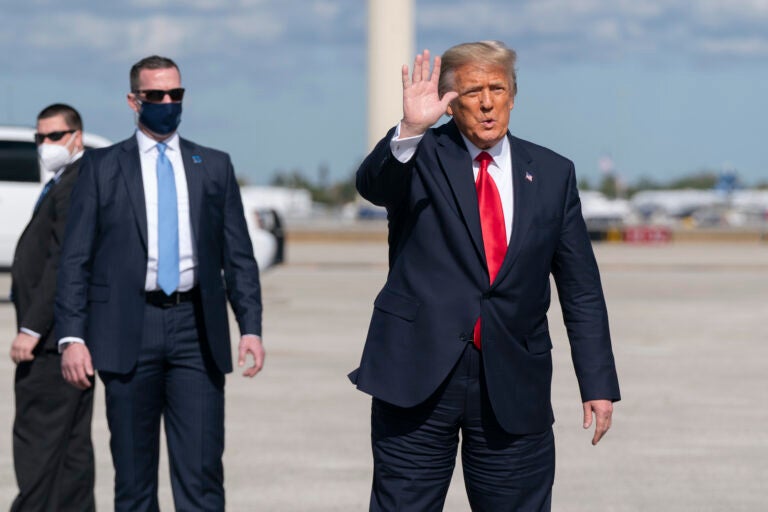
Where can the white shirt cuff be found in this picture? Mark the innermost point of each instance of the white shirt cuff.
(63, 342)
(30, 332)
(404, 149)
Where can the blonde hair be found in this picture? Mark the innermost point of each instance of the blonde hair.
(493, 53)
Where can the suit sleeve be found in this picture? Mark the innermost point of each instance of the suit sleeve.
(581, 299)
(39, 315)
(382, 179)
(241, 271)
(76, 253)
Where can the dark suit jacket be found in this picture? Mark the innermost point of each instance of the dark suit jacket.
(438, 281)
(100, 295)
(36, 259)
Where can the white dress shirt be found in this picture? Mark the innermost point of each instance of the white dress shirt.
(500, 168)
(187, 257)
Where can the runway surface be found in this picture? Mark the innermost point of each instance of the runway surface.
(690, 333)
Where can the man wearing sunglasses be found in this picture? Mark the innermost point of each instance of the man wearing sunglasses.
(52, 450)
(156, 244)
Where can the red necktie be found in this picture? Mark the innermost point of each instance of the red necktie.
(491, 223)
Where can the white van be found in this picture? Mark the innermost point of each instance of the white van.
(21, 182)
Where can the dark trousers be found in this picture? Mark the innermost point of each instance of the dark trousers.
(414, 451)
(52, 450)
(176, 379)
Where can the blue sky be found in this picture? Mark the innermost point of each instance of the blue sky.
(665, 87)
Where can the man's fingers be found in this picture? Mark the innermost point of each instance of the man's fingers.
(448, 97)
(76, 377)
(601, 427)
(21, 350)
(25, 354)
(603, 413)
(406, 80)
(81, 380)
(436, 70)
(425, 66)
(258, 361)
(600, 430)
(76, 366)
(417, 64)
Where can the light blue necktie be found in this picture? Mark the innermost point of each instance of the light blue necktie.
(43, 193)
(167, 224)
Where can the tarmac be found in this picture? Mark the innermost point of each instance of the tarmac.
(690, 338)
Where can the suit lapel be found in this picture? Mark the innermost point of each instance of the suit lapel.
(194, 168)
(457, 166)
(130, 167)
(524, 189)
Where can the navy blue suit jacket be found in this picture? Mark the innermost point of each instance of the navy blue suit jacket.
(100, 291)
(438, 282)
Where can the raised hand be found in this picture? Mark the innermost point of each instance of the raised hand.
(422, 106)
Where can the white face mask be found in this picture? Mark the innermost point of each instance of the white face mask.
(54, 156)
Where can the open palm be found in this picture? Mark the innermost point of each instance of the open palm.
(422, 105)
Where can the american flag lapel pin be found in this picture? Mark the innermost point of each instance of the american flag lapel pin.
(197, 159)
(529, 176)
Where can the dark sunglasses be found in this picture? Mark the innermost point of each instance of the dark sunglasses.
(157, 95)
(54, 136)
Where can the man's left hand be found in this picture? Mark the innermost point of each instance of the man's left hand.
(22, 346)
(251, 344)
(603, 410)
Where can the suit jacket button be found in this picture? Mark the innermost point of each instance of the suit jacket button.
(487, 295)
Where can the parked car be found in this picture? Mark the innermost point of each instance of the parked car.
(21, 182)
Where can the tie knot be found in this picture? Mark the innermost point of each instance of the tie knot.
(161, 147)
(484, 159)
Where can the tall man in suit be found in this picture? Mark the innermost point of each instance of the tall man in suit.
(52, 450)
(156, 244)
(458, 340)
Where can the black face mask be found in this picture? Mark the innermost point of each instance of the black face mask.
(160, 118)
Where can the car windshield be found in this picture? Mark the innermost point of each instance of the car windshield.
(18, 161)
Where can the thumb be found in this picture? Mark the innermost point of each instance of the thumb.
(587, 415)
(88, 366)
(242, 350)
(447, 98)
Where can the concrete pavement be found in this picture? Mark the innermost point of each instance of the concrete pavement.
(691, 343)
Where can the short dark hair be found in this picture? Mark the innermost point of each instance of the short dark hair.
(151, 62)
(71, 116)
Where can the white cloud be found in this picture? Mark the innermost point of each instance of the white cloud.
(555, 28)
(203, 5)
(326, 10)
(541, 29)
(162, 33)
(737, 46)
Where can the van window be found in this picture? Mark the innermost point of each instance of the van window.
(18, 161)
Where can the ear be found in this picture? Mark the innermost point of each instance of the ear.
(78, 141)
(449, 110)
(132, 101)
(511, 102)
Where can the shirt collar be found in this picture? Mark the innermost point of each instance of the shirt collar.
(496, 151)
(147, 144)
(57, 175)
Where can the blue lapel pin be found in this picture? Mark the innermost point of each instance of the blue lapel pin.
(197, 159)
